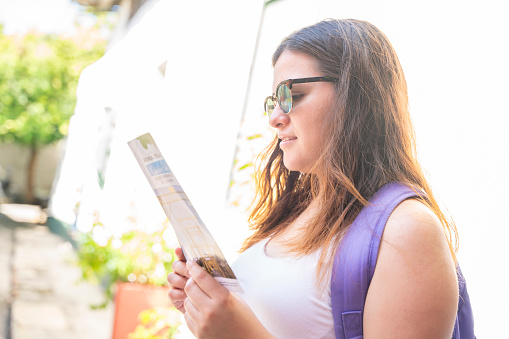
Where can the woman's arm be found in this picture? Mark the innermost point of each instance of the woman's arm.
(414, 291)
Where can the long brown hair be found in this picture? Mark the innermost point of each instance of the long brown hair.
(369, 141)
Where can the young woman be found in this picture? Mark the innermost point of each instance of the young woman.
(344, 143)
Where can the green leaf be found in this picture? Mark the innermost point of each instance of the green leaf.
(270, 2)
(256, 136)
(249, 164)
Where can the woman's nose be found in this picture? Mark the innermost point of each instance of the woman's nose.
(278, 118)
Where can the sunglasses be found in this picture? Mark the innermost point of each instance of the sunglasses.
(283, 95)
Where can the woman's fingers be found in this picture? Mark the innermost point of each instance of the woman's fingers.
(177, 295)
(179, 305)
(180, 254)
(177, 281)
(190, 324)
(210, 286)
(179, 267)
(195, 294)
(193, 315)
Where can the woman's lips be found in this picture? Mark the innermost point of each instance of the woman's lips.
(286, 141)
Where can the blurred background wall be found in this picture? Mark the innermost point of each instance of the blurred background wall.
(14, 161)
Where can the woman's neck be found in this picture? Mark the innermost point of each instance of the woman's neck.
(277, 245)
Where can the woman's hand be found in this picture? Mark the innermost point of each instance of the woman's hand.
(211, 311)
(177, 281)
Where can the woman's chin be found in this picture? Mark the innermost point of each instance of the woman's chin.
(295, 167)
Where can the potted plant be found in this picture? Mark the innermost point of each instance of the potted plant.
(132, 269)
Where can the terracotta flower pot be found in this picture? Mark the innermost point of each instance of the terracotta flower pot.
(130, 300)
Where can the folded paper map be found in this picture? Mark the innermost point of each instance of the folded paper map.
(196, 241)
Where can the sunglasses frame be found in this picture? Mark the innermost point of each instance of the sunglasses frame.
(289, 83)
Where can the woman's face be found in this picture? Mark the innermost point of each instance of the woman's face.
(301, 130)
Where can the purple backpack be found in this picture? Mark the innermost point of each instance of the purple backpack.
(353, 270)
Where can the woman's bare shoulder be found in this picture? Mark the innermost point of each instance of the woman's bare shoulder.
(413, 223)
(414, 291)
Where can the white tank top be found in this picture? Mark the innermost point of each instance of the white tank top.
(283, 295)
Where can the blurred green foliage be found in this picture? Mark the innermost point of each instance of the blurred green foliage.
(38, 79)
(157, 323)
(135, 257)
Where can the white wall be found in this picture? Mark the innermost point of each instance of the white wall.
(14, 160)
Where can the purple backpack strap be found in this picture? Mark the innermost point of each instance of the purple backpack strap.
(464, 326)
(355, 261)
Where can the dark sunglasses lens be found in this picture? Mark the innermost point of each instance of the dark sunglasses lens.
(269, 106)
(284, 97)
